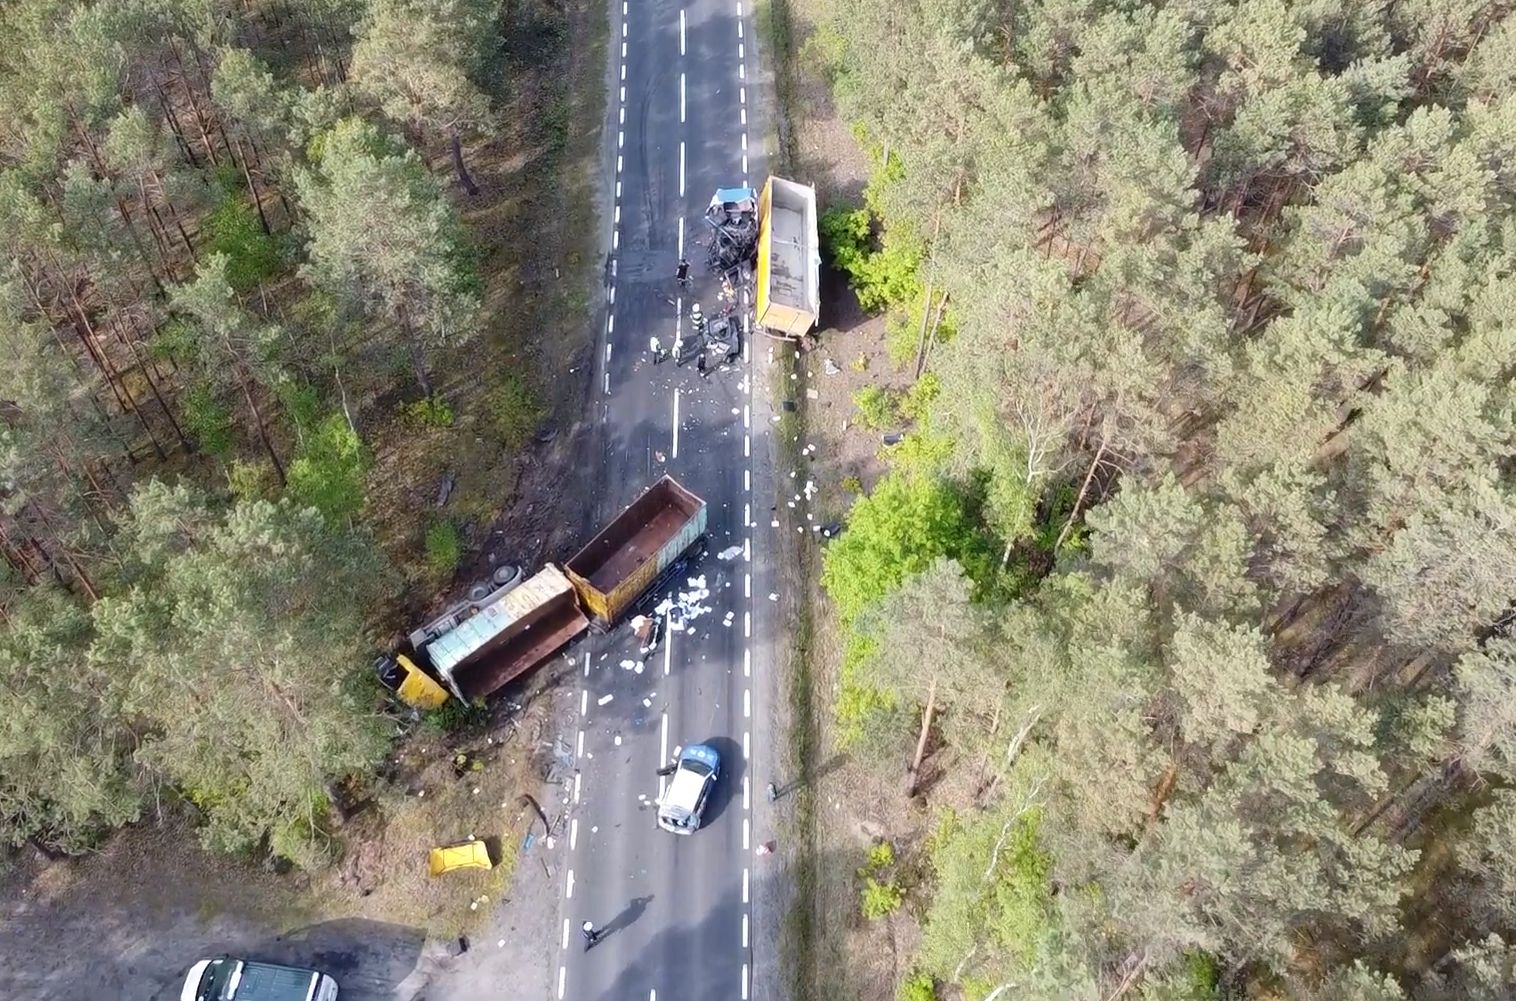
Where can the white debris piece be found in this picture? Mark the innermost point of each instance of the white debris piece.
(627, 665)
(773, 597)
(604, 699)
(685, 606)
(729, 553)
(618, 740)
(647, 703)
(810, 489)
(638, 668)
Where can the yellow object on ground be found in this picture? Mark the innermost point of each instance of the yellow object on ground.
(463, 855)
(418, 689)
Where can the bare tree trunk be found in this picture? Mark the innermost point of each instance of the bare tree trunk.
(252, 188)
(1068, 526)
(268, 446)
(465, 179)
(913, 775)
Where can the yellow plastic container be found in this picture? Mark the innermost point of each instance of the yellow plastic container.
(463, 855)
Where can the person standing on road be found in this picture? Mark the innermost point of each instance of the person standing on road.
(591, 934)
(656, 348)
(682, 273)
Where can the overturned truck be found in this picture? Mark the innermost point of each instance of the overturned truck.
(479, 646)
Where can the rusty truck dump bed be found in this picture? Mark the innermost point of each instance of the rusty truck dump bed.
(508, 637)
(618, 565)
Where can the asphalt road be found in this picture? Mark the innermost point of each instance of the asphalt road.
(676, 912)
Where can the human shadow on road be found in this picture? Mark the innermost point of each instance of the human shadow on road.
(628, 915)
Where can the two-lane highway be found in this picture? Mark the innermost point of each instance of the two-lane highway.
(675, 912)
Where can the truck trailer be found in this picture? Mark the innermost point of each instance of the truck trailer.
(788, 277)
(479, 646)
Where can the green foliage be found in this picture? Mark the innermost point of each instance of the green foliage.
(881, 275)
(993, 886)
(877, 406)
(852, 485)
(515, 411)
(919, 986)
(428, 412)
(443, 546)
(209, 422)
(881, 855)
(455, 716)
(238, 642)
(909, 521)
(250, 481)
(65, 753)
(328, 470)
(252, 256)
(919, 398)
(880, 899)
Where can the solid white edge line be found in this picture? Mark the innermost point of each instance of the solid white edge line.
(681, 236)
(681, 168)
(747, 738)
(747, 585)
(744, 982)
(747, 516)
(663, 751)
(668, 644)
(676, 421)
(747, 800)
(580, 752)
(584, 701)
(747, 415)
(747, 703)
(747, 834)
(587, 653)
(565, 944)
(568, 889)
(610, 328)
(747, 663)
(681, 32)
(744, 931)
(747, 481)
(561, 972)
(573, 833)
(745, 871)
(747, 550)
(747, 625)
(577, 777)
(747, 446)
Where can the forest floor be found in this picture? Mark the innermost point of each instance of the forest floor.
(130, 918)
(850, 803)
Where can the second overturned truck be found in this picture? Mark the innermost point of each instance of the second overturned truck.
(477, 647)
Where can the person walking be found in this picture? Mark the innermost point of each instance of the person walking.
(700, 363)
(656, 348)
(591, 934)
(682, 273)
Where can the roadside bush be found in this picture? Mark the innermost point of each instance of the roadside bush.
(515, 412)
(881, 272)
(453, 715)
(881, 899)
(878, 407)
(429, 412)
(913, 406)
(444, 547)
(918, 986)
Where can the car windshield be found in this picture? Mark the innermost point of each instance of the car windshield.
(696, 766)
(213, 982)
